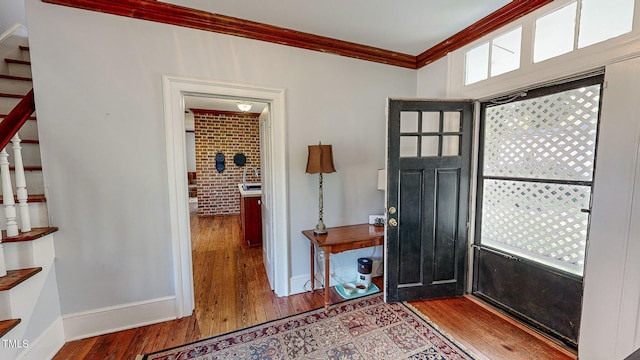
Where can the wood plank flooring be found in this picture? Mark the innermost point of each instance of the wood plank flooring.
(232, 292)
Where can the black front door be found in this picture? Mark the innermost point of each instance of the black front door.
(428, 165)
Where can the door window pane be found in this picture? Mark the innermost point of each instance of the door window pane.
(450, 145)
(451, 122)
(430, 145)
(505, 52)
(408, 122)
(477, 64)
(430, 121)
(408, 146)
(555, 33)
(601, 20)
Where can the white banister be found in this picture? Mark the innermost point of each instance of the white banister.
(7, 194)
(21, 185)
(10, 210)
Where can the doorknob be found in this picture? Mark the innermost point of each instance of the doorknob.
(392, 210)
(393, 222)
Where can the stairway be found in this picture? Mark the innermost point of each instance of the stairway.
(30, 321)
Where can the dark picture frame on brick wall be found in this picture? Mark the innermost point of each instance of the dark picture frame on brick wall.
(239, 159)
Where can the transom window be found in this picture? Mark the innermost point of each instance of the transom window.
(576, 25)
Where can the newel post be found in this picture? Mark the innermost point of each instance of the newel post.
(21, 185)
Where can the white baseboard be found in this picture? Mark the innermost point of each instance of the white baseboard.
(116, 318)
(46, 345)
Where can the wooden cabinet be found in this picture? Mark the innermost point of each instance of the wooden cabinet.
(251, 220)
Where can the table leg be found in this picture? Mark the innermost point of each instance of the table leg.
(326, 281)
(313, 275)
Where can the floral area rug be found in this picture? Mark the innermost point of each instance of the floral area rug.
(363, 328)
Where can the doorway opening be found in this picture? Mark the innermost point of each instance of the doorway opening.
(175, 91)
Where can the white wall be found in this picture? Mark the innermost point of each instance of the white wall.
(98, 83)
(11, 12)
(433, 80)
(610, 324)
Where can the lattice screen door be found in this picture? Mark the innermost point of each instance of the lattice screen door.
(537, 163)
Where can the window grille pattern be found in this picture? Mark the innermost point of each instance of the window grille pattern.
(549, 137)
(544, 221)
(537, 173)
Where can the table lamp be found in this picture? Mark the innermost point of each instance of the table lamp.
(319, 161)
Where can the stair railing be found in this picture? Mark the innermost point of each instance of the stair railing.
(9, 132)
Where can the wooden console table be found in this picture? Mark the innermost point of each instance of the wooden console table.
(339, 239)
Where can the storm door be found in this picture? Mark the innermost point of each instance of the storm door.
(535, 180)
(428, 162)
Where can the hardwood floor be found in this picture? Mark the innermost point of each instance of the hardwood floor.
(232, 292)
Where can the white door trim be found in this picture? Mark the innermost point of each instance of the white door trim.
(174, 89)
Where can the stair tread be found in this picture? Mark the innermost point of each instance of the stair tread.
(5, 115)
(7, 325)
(15, 96)
(34, 234)
(24, 47)
(15, 277)
(17, 61)
(31, 198)
(12, 77)
(27, 168)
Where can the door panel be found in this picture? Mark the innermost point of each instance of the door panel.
(428, 161)
(550, 300)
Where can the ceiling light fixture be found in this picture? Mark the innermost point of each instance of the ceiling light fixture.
(244, 106)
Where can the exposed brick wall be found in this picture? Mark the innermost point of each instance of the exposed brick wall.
(229, 133)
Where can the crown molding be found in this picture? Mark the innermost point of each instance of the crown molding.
(153, 10)
(197, 19)
(503, 16)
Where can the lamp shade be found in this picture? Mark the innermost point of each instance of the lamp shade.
(320, 159)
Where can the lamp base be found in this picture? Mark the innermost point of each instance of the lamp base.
(320, 228)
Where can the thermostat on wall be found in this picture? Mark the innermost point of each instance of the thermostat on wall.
(377, 220)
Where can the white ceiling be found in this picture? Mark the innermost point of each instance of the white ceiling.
(407, 26)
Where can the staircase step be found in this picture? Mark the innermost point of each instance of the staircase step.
(15, 277)
(30, 154)
(19, 67)
(9, 101)
(15, 84)
(7, 325)
(38, 198)
(29, 235)
(17, 61)
(28, 168)
(14, 96)
(17, 78)
(34, 179)
(25, 52)
(2, 116)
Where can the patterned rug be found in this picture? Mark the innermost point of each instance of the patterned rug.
(364, 328)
